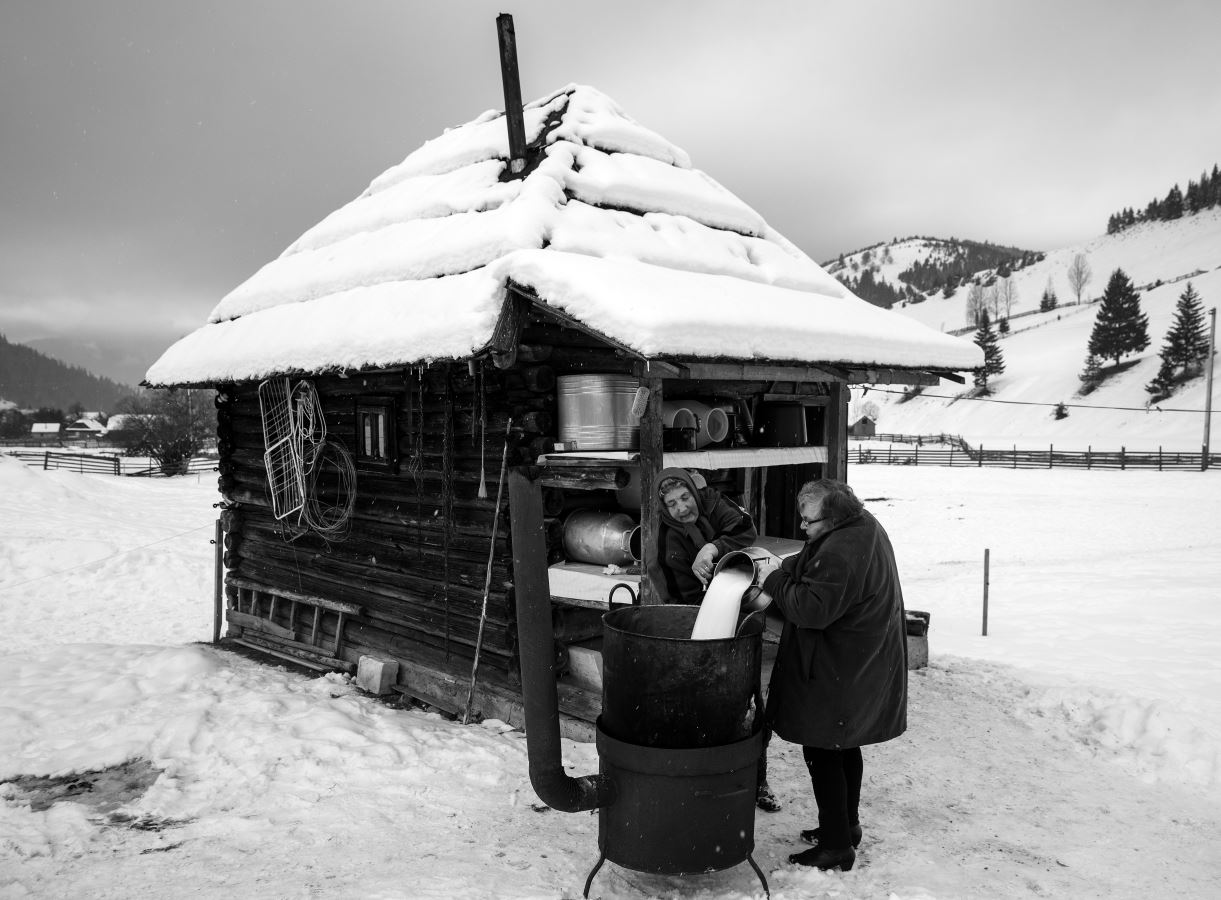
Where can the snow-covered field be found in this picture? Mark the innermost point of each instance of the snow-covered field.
(1073, 752)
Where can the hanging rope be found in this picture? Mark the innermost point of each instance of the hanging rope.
(330, 517)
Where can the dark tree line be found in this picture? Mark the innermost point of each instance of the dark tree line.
(32, 379)
(963, 260)
(1202, 194)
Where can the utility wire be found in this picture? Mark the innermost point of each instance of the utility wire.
(1034, 403)
(93, 562)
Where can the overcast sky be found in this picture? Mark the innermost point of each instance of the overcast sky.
(155, 153)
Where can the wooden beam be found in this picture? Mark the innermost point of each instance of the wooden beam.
(837, 433)
(505, 337)
(585, 478)
(645, 368)
(651, 463)
(333, 605)
(731, 371)
(896, 376)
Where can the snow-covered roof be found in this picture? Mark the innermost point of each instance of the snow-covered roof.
(45, 428)
(612, 226)
(92, 425)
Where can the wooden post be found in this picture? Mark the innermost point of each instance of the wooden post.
(651, 464)
(981, 455)
(511, 80)
(1015, 456)
(218, 581)
(1088, 451)
(1159, 457)
(1208, 386)
(836, 431)
(1123, 463)
(1051, 452)
(987, 553)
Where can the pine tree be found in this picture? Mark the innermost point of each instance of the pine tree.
(994, 360)
(1162, 384)
(1120, 326)
(1091, 375)
(1186, 346)
(1049, 300)
(1172, 208)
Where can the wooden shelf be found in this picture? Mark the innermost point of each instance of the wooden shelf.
(731, 458)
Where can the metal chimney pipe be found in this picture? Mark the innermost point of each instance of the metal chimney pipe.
(536, 649)
(512, 88)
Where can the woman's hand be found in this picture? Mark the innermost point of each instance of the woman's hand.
(704, 560)
(765, 567)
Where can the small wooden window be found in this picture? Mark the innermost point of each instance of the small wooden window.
(376, 438)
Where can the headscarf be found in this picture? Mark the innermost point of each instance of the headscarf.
(700, 531)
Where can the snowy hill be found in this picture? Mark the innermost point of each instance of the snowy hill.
(1044, 353)
(912, 270)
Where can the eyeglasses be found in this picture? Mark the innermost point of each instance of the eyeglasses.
(806, 523)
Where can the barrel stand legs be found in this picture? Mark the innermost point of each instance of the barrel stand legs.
(592, 873)
(750, 859)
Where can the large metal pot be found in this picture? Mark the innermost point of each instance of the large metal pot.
(662, 689)
(595, 411)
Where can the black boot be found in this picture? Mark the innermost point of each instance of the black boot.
(810, 835)
(765, 799)
(826, 858)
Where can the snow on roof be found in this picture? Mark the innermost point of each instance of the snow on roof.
(45, 428)
(85, 424)
(613, 226)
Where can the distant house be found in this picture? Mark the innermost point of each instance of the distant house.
(46, 432)
(865, 426)
(85, 428)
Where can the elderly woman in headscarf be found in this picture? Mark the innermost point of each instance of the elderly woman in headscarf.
(699, 526)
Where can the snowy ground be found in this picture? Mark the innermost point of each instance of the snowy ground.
(1073, 752)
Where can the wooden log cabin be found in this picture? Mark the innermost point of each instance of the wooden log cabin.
(371, 380)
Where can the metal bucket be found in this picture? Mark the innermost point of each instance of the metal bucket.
(662, 689)
(748, 560)
(710, 423)
(604, 538)
(595, 411)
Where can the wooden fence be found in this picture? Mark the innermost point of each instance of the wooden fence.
(105, 464)
(952, 450)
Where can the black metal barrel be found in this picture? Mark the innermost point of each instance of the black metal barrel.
(662, 689)
(678, 812)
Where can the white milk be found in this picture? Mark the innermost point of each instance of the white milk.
(718, 615)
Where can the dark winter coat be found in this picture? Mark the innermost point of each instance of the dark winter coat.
(721, 522)
(840, 678)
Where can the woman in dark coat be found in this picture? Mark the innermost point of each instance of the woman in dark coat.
(699, 526)
(840, 678)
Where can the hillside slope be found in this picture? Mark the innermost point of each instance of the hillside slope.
(30, 379)
(1045, 352)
